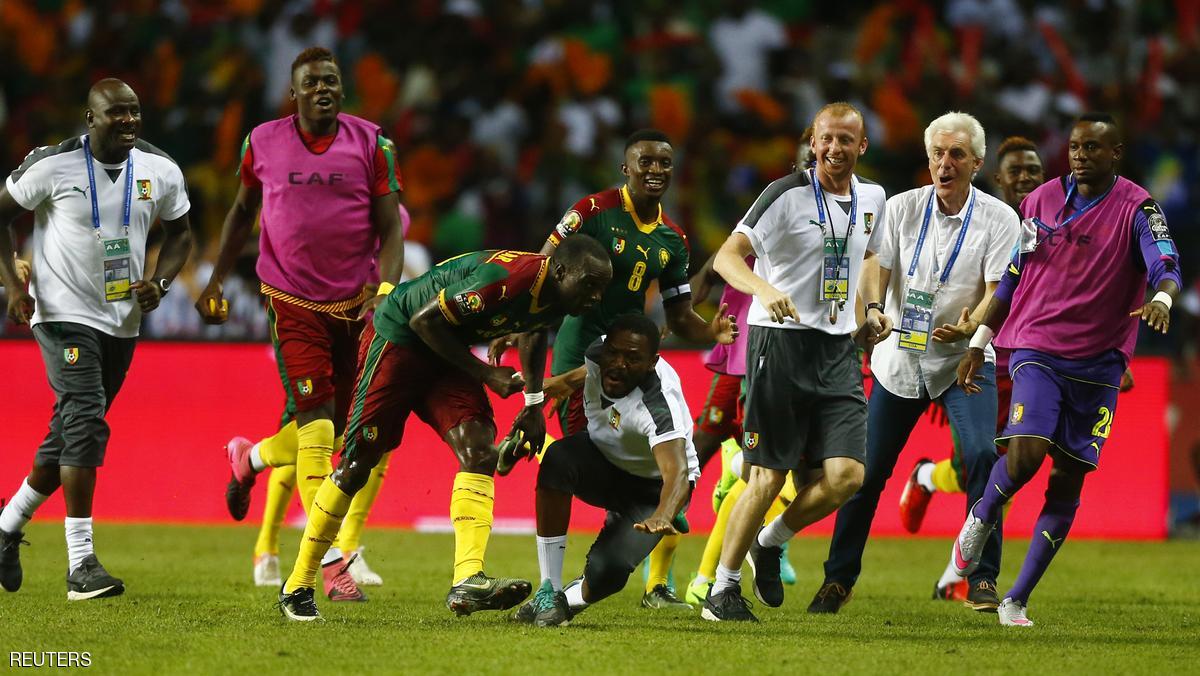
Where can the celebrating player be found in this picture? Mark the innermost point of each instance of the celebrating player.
(1068, 308)
(94, 197)
(644, 245)
(636, 460)
(939, 261)
(327, 186)
(805, 409)
(416, 357)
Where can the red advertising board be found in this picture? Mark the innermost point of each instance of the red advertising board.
(182, 401)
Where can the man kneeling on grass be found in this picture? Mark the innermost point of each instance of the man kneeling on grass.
(636, 460)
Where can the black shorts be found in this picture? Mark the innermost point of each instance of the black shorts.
(86, 368)
(804, 399)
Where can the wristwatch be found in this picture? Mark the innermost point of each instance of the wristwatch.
(876, 306)
(164, 285)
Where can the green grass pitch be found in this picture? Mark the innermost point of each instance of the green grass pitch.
(191, 607)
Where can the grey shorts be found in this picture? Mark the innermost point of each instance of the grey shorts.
(804, 399)
(86, 368)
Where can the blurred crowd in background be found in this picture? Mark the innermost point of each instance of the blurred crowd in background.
(505, 112)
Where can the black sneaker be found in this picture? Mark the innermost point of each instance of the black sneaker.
(764, 561)
(299, 605)
(728, 606)
(480, 592)
(10, 560)
(830, 598)
(547, 608)
(983, 597)
(662, 598)
(91, 581)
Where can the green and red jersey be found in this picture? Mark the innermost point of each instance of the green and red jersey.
(640, 253)
(484, 295)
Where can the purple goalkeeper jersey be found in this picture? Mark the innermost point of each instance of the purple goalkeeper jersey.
(1072, 295)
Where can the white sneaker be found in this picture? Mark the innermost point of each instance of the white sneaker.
(266, 571)
(964, 556)
(1012, 614)
(362, 573)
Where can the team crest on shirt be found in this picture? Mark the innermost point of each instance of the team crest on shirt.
(71, 355)
(664, 257)
(569, 225)
(618, 244)
(143, 189)
(370, 433)
(715, 416)
(304, 386)
(750, 441)
(868, 222)
(1018, 413)
(614, 419)
(468, 302)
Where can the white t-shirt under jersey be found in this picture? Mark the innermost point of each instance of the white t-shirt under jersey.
(627, 429)
(68, 268)
(783, 228)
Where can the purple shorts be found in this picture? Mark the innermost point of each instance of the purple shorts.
(1068, 402)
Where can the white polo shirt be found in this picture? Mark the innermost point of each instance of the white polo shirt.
(627, 429)
(68, 269)
(784, 229)
(986, 251)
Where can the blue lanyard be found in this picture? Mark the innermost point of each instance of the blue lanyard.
(87, 156)
(820, 197)
(962, 236)
(1072, 186)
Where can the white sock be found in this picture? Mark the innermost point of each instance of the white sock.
(574, 595)
(20, 509)
(256, 462)
(79, 541)
(726, 579)
(334, 554)
(551, 552)
(949, 577)
(775, 534)
(925, 476)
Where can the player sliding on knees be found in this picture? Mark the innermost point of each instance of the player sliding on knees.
(416, 357)
(635, 459)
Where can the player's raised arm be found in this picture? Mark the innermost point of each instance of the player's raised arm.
(20, 303)
(239, 222)
(671, 458)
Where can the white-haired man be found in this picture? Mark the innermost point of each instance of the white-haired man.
(942, 256)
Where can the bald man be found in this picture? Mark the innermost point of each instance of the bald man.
(95, 198)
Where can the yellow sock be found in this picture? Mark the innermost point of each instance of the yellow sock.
(280, 487)
(329, 507)
(351, 532)
(471, 504)
(945, 479)
(279, 450)
(313, 453)
(712, 548)
(661, 558)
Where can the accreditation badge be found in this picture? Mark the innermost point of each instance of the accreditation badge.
(117, 270)
(835, 273)
(917, 319)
